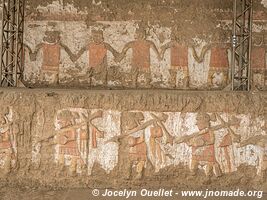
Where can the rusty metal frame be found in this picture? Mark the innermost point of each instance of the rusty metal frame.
(241, 45)
(11, 67)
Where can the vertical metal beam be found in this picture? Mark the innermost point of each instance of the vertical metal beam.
(11, 69)
(242, 41)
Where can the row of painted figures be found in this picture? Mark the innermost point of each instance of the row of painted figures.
(77, 141)
(140, 61)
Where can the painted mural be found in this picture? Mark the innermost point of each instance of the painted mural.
(8, 142)
(129, 54)
(80, 139)
(211, 143)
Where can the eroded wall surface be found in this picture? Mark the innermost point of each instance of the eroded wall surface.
(139, 44)
(133, 138)
(112, 138)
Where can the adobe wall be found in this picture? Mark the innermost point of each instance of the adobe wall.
(62, 138)
(177, 44)
(145, 135)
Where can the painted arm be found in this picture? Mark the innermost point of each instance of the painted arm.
(235, 138)
(185, 138)
(73, 57)
(27, 47)
(155, 49)
(255, 140)
(201, 57)
(112, 50)
(124, 51)
(164, 48)
(66, 48)
(33, 54)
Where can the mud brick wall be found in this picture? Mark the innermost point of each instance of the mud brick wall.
(174, 44)
(61, 138)
(133, 138)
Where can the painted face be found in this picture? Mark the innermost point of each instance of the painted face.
(176, 38)
(98, 37)
(140, 35)
(257, 40)
(51, 37)
(63, 123)
(202, 123)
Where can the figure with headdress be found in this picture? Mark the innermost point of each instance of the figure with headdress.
(258, 61)
(74, 136)
(140, 60)
(134, 142)
(97, 54)
(8, 152)
(51, 56)
(67, 141)
(179, 73)
(218, 76)
(203, 146)
(227, 144)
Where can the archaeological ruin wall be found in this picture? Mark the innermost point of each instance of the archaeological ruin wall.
(134, 93)
(147, 44)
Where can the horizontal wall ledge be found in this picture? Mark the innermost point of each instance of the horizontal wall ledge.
(143, 100)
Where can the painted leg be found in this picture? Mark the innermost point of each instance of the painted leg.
(172, 79)
(228, 159)
(61, 163)
(217, 170)
(209, 168)
(7, 162)
(139, 169)
(73, 166)
(194, 167)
